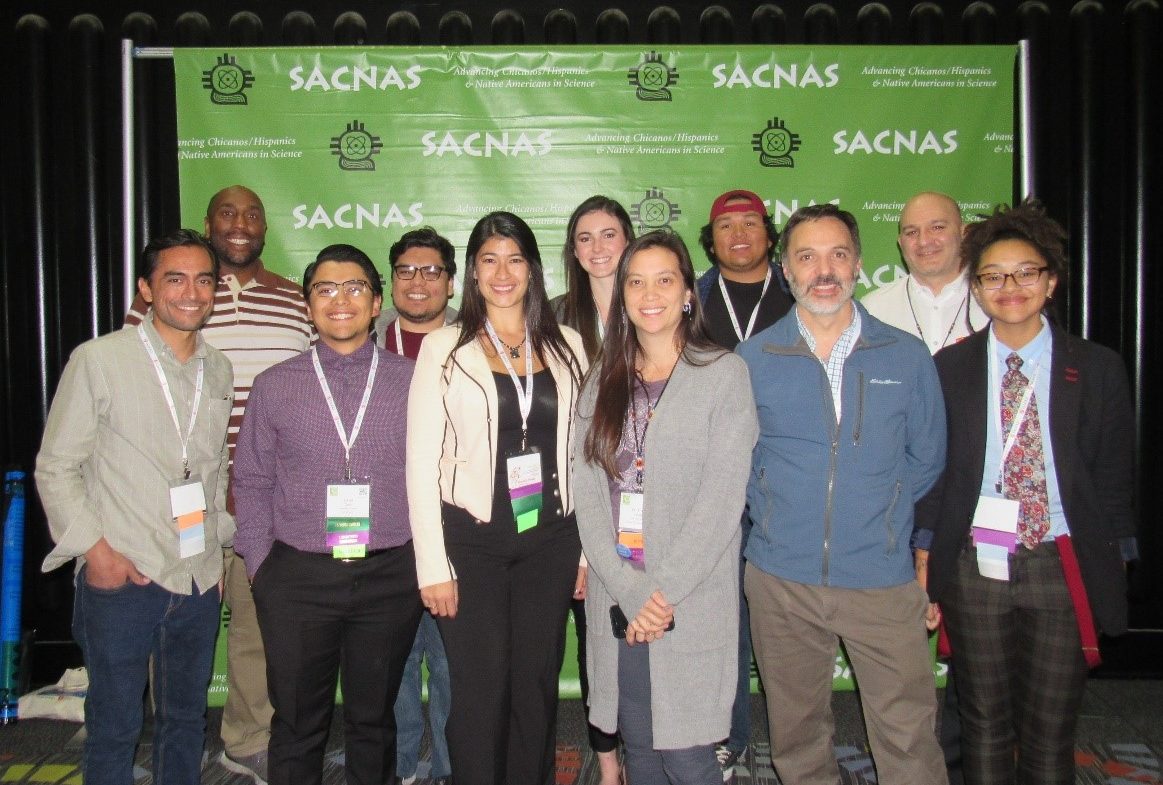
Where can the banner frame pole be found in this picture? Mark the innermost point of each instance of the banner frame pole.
(129, 53)
(128, 172)
(1025, 122)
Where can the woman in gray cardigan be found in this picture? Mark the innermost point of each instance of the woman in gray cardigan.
(666, 424)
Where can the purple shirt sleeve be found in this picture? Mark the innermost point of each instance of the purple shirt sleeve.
(254, 480)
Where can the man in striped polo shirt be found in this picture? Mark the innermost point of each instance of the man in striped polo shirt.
(259, 319)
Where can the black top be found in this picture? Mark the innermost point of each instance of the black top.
(776, 303)
(542, 435)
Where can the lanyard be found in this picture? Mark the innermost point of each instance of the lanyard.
(348, 442)
(952, 324)
(524, 397)
(400, 338)
(640, 443)
(161, 377)
(743, 336)
(1019, 416)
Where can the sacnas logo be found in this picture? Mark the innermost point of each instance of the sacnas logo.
(652, 78)
(654, 211)
(894, 141)
(775, 144)
(355, 148)
(357, 216)
(486, 144)
(227, 82)
(347, 78)
(775, 75)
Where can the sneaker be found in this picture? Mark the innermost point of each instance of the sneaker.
(727, 759)
(253, 766)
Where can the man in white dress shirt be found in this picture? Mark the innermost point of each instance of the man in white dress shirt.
(932, 302)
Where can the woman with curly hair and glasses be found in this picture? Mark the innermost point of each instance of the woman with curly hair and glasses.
(1023, 541)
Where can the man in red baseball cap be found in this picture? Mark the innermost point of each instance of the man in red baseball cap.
(743, 293)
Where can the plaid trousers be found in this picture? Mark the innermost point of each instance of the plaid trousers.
(1020, 670)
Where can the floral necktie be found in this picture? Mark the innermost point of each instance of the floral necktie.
(1024, 473)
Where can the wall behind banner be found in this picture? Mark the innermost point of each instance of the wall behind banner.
(1096, 113)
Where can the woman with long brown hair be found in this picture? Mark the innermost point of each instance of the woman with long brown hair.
(595, 237)
(666, 424)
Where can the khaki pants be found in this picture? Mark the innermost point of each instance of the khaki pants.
(795, 628)
(246, 719)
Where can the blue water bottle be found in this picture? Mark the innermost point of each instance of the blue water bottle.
(11, 579)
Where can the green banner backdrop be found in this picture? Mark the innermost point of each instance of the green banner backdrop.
(359, 145)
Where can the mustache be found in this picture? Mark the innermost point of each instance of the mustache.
(825, 280)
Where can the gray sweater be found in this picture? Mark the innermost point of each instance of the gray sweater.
(698, 456)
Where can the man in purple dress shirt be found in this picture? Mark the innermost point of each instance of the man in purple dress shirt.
(323, 529)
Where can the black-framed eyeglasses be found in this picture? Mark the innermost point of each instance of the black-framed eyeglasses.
(1027, 276)
(406, 272)
(353, 288)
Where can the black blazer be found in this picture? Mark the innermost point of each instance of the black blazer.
(1092, 430)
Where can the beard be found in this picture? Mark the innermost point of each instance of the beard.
(420, 312)
(803, 294)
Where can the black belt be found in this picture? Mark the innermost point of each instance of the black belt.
(327, 554)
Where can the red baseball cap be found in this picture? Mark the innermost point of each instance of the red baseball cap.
(752, 203)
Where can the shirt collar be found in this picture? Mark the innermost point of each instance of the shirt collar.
(1032, 351)
(260, 278)
(163, 348)
(850, 332)
(955, 289)
(331, 359)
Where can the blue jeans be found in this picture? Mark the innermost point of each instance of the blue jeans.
(646, 765)
(741, 709)
(119, 631)
(409, 712)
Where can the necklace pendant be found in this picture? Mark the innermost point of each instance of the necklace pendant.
(515, 351)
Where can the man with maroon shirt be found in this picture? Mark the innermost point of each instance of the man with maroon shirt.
(423, 266)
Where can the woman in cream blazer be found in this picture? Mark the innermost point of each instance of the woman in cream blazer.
(491, 396)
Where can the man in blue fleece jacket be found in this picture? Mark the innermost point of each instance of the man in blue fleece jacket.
(852, 433)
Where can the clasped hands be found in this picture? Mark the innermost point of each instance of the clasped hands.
(651, 622)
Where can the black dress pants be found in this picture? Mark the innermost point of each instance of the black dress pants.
(321, 617)
(505, 647)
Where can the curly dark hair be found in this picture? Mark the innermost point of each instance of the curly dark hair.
(1027, 222)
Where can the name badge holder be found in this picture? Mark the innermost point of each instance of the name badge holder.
(349, 517)
(995, 519)
(187, 495)
(523, 466)
(631, 543)
(348, 507)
